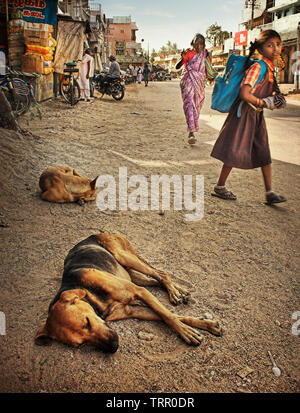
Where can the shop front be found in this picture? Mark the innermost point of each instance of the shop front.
(27, 41)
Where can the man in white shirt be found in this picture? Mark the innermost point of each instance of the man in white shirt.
(85, 70)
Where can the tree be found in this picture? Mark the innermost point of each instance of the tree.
(153, 55)
(169, 48)
(163, 50)
(216, 36)
(172, 48)
(169, 45)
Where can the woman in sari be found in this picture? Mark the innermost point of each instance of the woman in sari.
(193, 83)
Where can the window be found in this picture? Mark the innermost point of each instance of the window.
(121, 31)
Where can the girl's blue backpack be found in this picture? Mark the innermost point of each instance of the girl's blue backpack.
(227, 87)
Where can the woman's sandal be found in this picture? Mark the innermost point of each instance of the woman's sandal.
(191, 139)
(224, 194)
(273, 198)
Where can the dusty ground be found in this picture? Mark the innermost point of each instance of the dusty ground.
(240, 262)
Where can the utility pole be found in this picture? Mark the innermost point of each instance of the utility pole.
(252, 4)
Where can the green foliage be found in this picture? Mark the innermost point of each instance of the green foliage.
(216, 36)
(166, 50)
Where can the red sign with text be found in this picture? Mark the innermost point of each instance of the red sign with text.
(241, 38)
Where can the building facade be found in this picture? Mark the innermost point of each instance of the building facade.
(282, 16)
(167, 62)
(121, 39)
(91, 13)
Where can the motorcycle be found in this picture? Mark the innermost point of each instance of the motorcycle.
(160, 76)
(111, 87)
(128, 79)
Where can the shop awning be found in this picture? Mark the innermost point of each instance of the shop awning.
(70, 38)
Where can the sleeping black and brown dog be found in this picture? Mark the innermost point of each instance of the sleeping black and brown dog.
(104, 280)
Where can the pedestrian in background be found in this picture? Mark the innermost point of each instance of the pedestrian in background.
(84, 76)
(146, 72)
(243, 141)
(193, 83)
(139, 75)
(134, 74)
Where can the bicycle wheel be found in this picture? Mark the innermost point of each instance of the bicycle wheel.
(19, 96)
(69, 91)
(75, 96)
(65, 88)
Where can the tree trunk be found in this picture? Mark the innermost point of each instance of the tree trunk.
(7, 118)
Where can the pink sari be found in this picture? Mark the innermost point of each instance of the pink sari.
(192, 87)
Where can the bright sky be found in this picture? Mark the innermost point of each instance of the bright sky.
(175, 20)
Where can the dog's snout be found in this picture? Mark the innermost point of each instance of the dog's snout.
(114, 346)
(113, 342)
(110, 344)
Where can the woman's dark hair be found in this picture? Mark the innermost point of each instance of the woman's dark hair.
(263, 37)
(198, 38)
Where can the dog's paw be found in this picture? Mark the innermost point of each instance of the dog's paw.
(178, 295)
(190, 335)
(215, 328)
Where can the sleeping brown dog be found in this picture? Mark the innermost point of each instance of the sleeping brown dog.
(103, 281)
(64, 184)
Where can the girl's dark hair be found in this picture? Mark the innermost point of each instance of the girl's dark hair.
(263, 37)
(198, 38)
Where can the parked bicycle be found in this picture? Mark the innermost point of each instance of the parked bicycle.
(69, 86)
(17, 92)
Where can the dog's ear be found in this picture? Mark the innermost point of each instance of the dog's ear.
(72, 295)
(75, 173)
(93, 183)
(42, 337)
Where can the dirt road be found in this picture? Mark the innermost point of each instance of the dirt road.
(239, 262)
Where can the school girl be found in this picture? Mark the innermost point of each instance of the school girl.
(243, 141)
